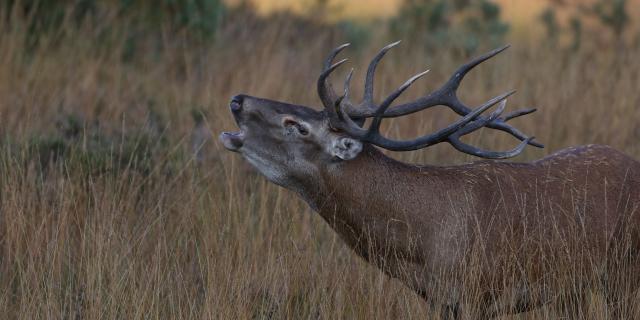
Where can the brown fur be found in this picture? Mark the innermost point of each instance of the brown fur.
(418, 222)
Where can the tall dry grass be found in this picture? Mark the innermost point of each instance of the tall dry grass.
(89, 235)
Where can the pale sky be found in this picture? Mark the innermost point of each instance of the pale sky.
(521, 10)
(522, 15)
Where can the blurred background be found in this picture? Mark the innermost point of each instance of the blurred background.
(116, 200)
(94, 68)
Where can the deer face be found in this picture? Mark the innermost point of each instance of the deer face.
(285, 142)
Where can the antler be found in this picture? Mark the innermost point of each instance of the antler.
(346, 116)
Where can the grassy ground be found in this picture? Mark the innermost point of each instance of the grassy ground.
(106, 211)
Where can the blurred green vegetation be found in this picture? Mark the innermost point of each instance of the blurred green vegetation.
(461, 24)
(610, 15)
(199, 19)
(200, 16)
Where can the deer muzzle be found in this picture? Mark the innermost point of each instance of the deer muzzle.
(232, 141)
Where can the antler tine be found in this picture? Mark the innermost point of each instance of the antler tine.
(463, 147)
(375, 124)
(347, 84)
(439, 136)
(367, 99)
(325, 91)
(456, 78)
(518, 113)
(346, 104)
(394, 95)
(338, 104)
(325, 74)
(482, 121)
(329, 60)
(498, 124)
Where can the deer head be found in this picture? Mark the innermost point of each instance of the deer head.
(287, 142)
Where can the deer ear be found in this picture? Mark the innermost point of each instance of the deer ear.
(346, 148)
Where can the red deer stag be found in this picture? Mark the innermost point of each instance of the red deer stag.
(514, 230)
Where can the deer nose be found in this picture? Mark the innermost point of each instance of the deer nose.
(236, 103)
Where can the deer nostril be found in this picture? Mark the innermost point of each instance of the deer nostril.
(236, 103)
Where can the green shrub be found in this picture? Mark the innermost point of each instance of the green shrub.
(200, 18)
(460, 24)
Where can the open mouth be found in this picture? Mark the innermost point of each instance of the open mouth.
(232, 140)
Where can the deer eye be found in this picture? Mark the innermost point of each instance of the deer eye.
(291, 125)
(303, 131)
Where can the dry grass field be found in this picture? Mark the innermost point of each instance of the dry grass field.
(117, 203)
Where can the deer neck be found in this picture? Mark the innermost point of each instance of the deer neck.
(350, 192)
